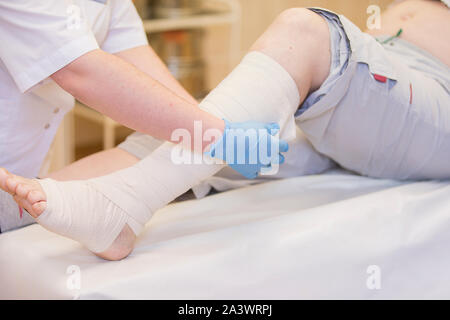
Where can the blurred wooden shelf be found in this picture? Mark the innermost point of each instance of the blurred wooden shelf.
(195, 21)
(109, 125)
(218, 12)
(87, 113)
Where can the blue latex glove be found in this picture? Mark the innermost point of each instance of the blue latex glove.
(247, 147)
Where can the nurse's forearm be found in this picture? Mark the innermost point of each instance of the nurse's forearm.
(145, 59)
(119, 90)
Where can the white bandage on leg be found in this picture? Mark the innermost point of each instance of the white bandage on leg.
(78, 211)
(258, 89)
(95, 211)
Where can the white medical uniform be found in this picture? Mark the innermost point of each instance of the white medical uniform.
(37, 38)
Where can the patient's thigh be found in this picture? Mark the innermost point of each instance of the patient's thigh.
(391, 128)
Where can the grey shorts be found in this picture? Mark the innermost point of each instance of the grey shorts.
(383, 111)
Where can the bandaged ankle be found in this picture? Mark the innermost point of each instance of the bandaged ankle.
(75, 209)
(258, 89)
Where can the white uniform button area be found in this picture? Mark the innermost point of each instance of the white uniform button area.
(56, 110)
(47, 126)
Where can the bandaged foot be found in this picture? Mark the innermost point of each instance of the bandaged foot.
(95, 211)
(30, 195)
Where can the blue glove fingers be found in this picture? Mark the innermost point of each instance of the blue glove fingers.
(284, 146)
(273, 128)
(278, 159)
(251, 171)
(249, 175)
(211, 153)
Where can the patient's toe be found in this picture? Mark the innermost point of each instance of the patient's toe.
(38, 208)
(11, 185)
(4, 175)
(26, 192)
(23, 190)
(36, 196)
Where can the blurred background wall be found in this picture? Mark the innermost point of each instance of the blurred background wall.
(257, 15)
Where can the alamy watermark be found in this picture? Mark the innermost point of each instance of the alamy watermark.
(244, 146)
(373, 281)
(374, 20)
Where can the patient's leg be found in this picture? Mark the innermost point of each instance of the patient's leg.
(299, 40)
(288, 61)
(95, 165)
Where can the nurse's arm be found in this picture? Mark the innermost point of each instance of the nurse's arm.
(121, 91)
(145, 59)
(108, 161)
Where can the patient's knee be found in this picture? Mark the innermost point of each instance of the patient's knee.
(308, 36)
(302, 20)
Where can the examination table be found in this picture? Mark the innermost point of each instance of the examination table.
(334, 236)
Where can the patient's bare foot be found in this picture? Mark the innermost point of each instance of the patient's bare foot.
(26, 192)
(29, 195)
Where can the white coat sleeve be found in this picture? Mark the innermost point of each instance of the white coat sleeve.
(40, 37)
(126, 30)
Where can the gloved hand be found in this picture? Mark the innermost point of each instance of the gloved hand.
(247, 147)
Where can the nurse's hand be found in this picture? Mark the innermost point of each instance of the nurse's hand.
(249, 147)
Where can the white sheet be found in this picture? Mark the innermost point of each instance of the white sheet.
(308, 237)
